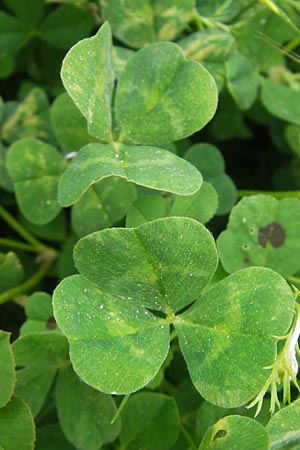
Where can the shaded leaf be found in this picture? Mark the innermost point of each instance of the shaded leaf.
(200, 206)
(16, 426)
(84, 413)
(11, 271)
(102, 205)
(209, 160)
(29, 119)
(146, 209)
(69, 126)
(13, 34)
(7, 370)
(39, 314)
(66, 25)
(35, 168)
(39, 357)
(155, 427)
(242, 80)
(281, 101)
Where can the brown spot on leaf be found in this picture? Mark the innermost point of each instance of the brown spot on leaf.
(246, 260)
(51, 323)
(273, 233)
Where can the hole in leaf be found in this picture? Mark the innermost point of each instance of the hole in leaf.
(273, 233)
(219, 434)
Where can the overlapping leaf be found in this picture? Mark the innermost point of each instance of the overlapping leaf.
(148, 166)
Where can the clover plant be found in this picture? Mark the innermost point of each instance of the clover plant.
(150, 212)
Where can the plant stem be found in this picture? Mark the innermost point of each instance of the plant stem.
(12, 243)
(188, 437)
(20, 229)
(32, 281)
(276, 194)
(120, 409)
(292, 279)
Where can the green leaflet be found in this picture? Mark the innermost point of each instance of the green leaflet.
(35, 168)
(29, 118)
(130, 342)
(13, 34)
(139, 22)
(161, 97)
(53, 29)
(256, 34)
(209, 160)
(281, 101)
(91, 428)
(284, 428)
(30, 13)
(200, 206)
(88, 76)
(147, 166)
(11, 271)
(227, 336)
(146, 209)
(39, 357)
(102, 205)
(39, 315)
(5, 180)
(262, 231)
(162, 265)
(7, 370)
(69, 125)
(242, 80)
(218, 10)
(234, 433)
(154, 427)
(292, 134)
(16, 426)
